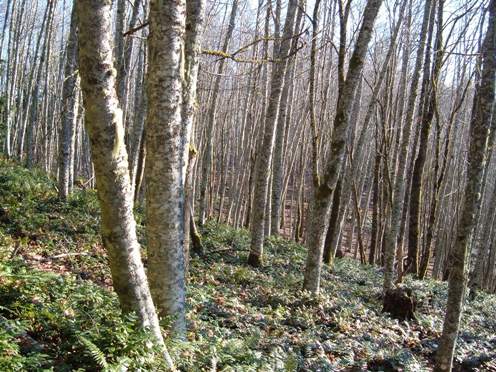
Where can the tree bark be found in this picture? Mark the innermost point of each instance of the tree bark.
(479, 129)
(415, 230)
(211, 120)
(399, 184)
(165, 161)
(264, 157)
(194, 25)
(69, 111)
(321, 203)
(103, 120)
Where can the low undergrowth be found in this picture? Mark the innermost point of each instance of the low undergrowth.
(58, 311)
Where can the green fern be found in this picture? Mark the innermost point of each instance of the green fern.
(95, 352)
(120, 366)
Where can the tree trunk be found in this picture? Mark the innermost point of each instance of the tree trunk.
(103, 120)
(206, 180)
(313, 118)
(69, 111)
(479, 128)
(333, 228)
(135, 142)
(194, 24)
(165, 162)
(264, 157)
(399, 184)
(321, 203)
(414, 232)
(32, 118)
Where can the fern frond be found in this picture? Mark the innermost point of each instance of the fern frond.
(94, 351)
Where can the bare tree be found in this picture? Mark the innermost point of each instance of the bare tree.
(264, 158)
(69, 112)
(399, 180)
(103, 120)
(211, 125)
(194, 26)
(479, 129)
(321, 203)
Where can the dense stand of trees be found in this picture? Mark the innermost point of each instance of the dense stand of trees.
(359, 128)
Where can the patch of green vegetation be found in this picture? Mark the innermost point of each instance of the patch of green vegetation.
(65, 323)
(31, 208)
(223, 237)
(36, 225)
(240, 318)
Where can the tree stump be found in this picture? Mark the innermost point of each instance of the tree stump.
(196, 239)
(400, 303)
(382, 365)
(4, 216)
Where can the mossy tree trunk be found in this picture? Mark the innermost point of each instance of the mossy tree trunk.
(194, 25)
(103, 120)
(165, 161)
(479, 130)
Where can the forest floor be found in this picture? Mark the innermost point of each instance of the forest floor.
(58, 313)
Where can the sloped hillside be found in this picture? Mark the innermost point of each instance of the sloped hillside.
(57, 309)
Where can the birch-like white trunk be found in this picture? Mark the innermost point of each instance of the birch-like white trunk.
(70, 95)
(164, 168)
(103, 120)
